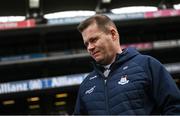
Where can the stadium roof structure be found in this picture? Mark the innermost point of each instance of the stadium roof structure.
(22, 7)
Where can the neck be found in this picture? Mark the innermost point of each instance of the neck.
(119, 50)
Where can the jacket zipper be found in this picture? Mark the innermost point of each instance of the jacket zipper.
(106, 89)
(106, 96)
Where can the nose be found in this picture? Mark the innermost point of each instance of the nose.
(90, 47)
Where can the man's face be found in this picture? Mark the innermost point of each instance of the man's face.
(99, 44)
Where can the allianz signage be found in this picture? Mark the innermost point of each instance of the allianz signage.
(39, 84)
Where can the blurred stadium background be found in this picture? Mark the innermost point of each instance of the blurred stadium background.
(42, 56)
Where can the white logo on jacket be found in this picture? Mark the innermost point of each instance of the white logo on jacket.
(93, 77)
(126, 67)
(123, 80)
(90, 90)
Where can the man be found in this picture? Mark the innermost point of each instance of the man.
(132, 83)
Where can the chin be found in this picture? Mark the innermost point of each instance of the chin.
(100, 61)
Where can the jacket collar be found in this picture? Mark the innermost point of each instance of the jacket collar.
(126, 55)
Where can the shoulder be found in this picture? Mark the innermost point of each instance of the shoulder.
(147, 63)
(146, 60)
(152, 61)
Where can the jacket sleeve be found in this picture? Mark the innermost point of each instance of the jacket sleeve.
(79, 107)
(164, 89)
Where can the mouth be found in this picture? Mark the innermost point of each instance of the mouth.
(94, 54)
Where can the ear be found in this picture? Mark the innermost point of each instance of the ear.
(114, 34)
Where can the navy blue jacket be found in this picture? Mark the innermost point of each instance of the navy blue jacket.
(137, 84)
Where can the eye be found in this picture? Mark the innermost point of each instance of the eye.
(93, 40)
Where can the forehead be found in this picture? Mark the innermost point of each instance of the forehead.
(92, 27)
(90, 31)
